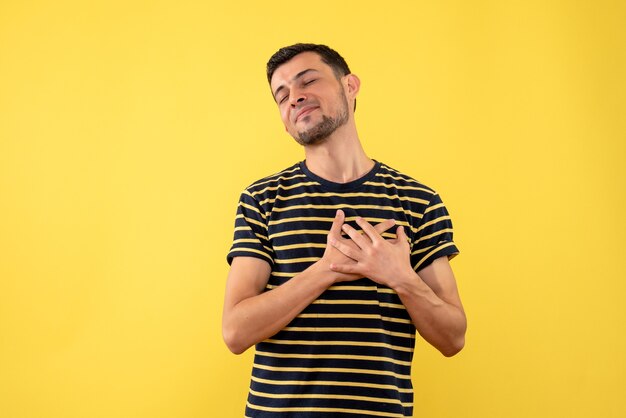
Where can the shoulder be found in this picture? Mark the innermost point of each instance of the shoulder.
(388, 175)
(290, 172)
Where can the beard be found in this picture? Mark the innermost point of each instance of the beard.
(318, 133)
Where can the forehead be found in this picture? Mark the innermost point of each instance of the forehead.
(304, 61)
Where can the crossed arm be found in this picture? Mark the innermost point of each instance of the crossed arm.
(431, 298)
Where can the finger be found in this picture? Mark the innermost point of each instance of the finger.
(345, 249)
(401, 235)
(335, 228)
(368, 229)
(345, 268)
(357, 237)
(384, 226)
(406, 237)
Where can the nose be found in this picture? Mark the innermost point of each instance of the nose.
(296, 98)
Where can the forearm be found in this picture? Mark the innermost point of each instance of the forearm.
(432, 300)
(441, 323)
(261, 316)
(252, 315)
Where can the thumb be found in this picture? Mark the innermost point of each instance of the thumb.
(401, 235)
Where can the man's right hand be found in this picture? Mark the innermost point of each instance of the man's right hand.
(334, 256)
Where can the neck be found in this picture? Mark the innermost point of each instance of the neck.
(340, 158)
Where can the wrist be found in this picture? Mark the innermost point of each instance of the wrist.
(322, 273)
(409, 282)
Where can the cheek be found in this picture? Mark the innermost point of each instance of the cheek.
(284, 116)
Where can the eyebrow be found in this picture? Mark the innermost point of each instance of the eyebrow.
(297, 76)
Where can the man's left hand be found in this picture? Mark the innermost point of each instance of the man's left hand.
(384, 261)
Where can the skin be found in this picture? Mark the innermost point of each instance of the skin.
(308, 95)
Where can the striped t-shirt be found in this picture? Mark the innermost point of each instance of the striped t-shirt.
(349, 353)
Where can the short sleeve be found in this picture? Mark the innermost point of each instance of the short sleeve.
(433, 238)
(251, 233)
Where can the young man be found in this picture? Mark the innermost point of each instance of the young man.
(336, 261)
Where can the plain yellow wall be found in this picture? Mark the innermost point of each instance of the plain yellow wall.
(128, 130)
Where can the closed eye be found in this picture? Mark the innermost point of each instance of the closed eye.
(282, 99)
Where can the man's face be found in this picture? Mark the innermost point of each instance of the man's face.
(312, 102)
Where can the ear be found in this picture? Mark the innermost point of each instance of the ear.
(353, 84)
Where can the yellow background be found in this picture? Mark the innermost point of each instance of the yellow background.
(128, 130)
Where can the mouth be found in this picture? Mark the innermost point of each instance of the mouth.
(304, 112)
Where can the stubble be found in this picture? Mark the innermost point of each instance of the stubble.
(320, 132)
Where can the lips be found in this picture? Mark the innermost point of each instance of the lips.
(304, 111)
